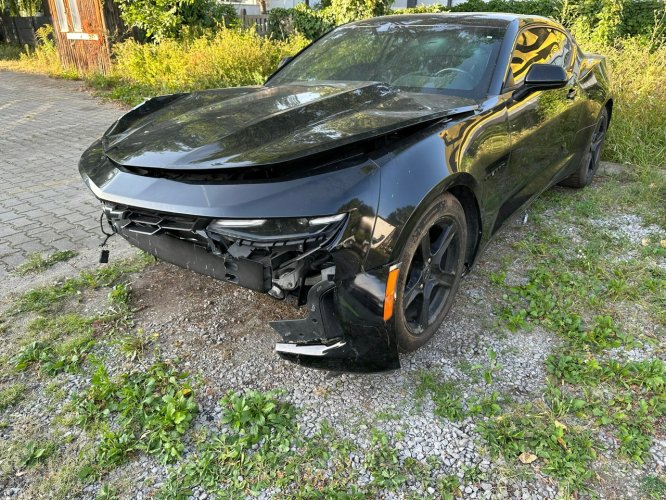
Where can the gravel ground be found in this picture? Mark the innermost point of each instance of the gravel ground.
(219, 332)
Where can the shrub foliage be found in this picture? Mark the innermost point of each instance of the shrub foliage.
(605, 20)
(229, 58)
(162, 19)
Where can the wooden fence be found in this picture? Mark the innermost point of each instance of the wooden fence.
(21, 30)
(259, 21)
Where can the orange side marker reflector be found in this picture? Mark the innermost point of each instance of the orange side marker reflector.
(389, 297)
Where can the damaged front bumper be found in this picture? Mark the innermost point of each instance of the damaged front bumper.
(316, 232)
(344, 328)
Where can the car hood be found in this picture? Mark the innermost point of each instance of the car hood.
(249, 126)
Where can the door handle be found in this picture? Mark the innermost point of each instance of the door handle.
(572, 93)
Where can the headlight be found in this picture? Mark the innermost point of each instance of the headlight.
(276, 229)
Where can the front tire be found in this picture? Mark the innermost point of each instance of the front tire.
(433, 261)
(590, 162)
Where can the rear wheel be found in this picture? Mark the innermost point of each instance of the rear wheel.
(432, 263)
(590, 162)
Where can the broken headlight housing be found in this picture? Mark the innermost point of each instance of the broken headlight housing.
(277, 229)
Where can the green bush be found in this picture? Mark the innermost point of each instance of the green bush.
(345, 11)
(162, 19)
(21, 7)
(548, 8)
(229, 58)
(312, 23)
(279, 22)
(423, 9)
(637, 134)
(605, 20)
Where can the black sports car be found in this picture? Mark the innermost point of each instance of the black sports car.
(365, 176)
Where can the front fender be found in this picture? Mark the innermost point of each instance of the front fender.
(455, 154)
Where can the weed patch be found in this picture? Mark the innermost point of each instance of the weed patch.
(633, 409)
(136, 345)
(382, 462)
(445, 395)
(550, 299)
(50, 359)
(528, 435)
(260, 447)
(36, 452)
(449, 402)
(141, 411)
(49, 297)
(11, 395)
(247, 457)
(36, 262)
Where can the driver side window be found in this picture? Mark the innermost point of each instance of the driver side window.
(538, 46)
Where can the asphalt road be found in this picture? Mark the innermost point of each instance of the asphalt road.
(45, 125)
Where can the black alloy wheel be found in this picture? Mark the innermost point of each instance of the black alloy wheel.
(432, 264)
(590, 162)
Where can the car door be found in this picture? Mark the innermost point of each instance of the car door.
(543, 125)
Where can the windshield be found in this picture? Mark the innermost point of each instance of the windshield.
(444, 58)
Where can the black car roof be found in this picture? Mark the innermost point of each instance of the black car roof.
(489, 19)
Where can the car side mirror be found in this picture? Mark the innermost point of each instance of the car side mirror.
(542, 77)
(284, 61)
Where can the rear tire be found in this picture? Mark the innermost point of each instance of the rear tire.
(433, 260)
(590, 162)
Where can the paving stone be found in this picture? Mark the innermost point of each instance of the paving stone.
(45, 125)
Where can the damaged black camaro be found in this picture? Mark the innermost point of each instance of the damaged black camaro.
(364, 177)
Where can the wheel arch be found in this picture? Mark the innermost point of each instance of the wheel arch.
(470, 204)
(465, 188)
(609, 107)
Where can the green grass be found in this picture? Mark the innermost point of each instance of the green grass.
(48, 298)
(150, 410)
(52, 328)
(653, 486)
(119, 89)
(562, 451)
(449, 402)
(36, 262)
(11, 395)
(53, 358)
(56, 344)
(62, 343)
(36, 452)
(10, 52)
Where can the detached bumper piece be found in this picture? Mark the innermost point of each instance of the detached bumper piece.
(343, 331)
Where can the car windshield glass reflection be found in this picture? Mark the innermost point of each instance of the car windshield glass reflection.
(446, 59)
